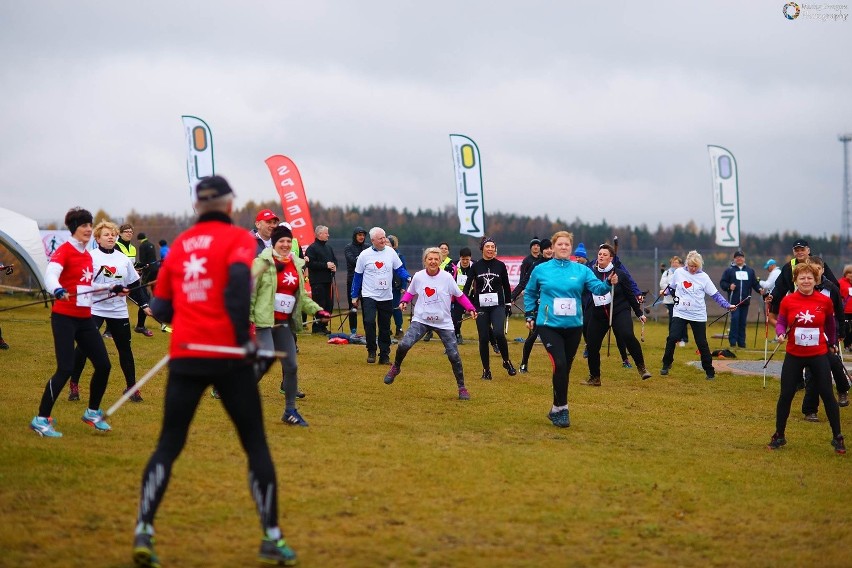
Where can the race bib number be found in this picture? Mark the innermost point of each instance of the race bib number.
(807, 336)
(84, 299)
(461, 280)
(604, 300)
(742, 275)
(382, 283)
(565, 306)
(284, 303)
(431, 318)
(488, 300)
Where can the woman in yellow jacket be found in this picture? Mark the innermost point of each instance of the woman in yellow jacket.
(277, 302)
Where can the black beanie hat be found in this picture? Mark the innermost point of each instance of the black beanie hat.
(76, 217)
(535, 241)
(279, 233)
(546, 244)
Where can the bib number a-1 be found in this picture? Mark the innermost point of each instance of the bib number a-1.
(382, 283)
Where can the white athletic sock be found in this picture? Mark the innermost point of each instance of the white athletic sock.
(273, 533)
(144, 528)
(555, 408)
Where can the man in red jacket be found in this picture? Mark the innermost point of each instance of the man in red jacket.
(204, 290)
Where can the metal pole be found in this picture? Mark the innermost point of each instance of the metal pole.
(845, 225)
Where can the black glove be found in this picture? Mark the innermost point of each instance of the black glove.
(117, 289)
(508, 310)
(59, 293)
(251, 348)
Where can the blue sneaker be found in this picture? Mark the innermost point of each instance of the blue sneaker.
(44, 427)
(626, 364)
(143, 552)
(276, 553)
(293, 418)
(560, 418)
(97, 419)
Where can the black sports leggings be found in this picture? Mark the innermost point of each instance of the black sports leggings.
(236, 384)
(120, 331)
(791, 375)
(622, 327)
(561, 344)
(67, 330)
(490, 321)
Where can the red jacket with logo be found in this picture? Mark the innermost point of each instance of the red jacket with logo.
(194, 277)
(808, 319)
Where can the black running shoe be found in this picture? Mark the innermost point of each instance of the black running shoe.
(777, 441)
(839, 444)
(509, 368)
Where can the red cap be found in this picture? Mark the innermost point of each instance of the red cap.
(266, 215)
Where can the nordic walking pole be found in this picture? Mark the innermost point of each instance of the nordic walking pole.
(780, 341)
(611, 309)
(135, 388)
(756, 327)
(765, 338)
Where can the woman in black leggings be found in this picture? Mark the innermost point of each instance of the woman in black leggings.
(488, 288)
(620, 300)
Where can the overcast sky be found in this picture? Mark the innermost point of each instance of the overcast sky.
(597, 110)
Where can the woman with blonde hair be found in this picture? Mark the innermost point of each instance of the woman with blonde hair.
(688, 286)
(435, 290)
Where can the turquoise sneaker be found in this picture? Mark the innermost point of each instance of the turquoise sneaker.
(96, 418)
(44, 427)
(560, 418)
(143, 552)
(276, 553)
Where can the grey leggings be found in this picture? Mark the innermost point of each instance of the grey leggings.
(415, 333)
(281, 339)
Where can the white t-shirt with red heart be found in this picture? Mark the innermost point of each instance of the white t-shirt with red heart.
(690, 290)
(377, 266)
(111, 269)
(434, 297)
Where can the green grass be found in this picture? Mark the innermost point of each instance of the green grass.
(672, 471)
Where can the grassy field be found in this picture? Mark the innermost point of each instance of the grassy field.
(672, 471)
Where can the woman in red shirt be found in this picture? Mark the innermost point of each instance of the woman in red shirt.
(846, 297)
(807, 319)
(69, 275)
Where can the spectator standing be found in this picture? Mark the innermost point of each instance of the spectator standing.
(164, 249)
(322, 265)
(148, 269)
(351, 252)
(739, 280)
(264, 223)
(398, 287)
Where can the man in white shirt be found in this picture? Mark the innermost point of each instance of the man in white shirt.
(374, 271)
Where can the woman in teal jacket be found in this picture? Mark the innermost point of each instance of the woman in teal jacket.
(277, 303)
(558, 286)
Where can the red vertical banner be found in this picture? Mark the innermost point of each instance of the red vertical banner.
(294, 203)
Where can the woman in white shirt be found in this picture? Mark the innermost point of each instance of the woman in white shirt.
(689, 286)
(666, 278)
(435, 290)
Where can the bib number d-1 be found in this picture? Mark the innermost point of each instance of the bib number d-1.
(807, 336)
(284, 303)
(565, 306)
(604, 300)
(488, 300)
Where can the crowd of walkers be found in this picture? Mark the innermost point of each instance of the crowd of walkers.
(226, 294)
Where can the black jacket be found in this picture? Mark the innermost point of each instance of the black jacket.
(353, 249)
(319, 254)
(784, 284)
